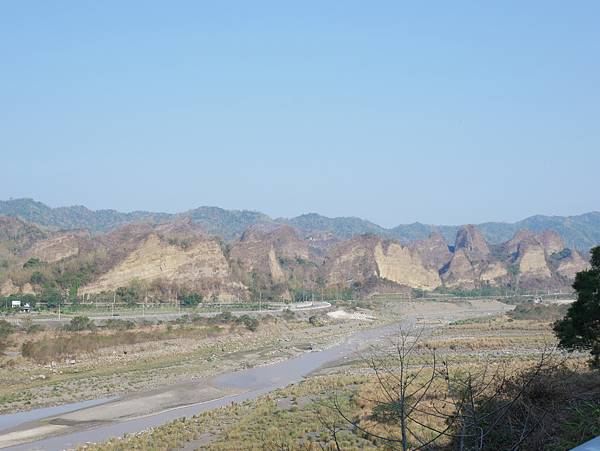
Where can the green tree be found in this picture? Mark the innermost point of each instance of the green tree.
(37, 278)
(32, 263)
(580, 328)
(51, 296)
(30, 299)
(73, 290)
(190, 299)
(129, 295)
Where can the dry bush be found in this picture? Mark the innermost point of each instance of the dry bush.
(70, 344)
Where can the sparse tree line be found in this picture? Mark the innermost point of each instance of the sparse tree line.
(412, 404)
(84, 335)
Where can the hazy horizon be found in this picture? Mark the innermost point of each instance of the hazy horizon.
(462, 113)
(275, 217)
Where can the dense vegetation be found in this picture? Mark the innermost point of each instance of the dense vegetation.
(580, 328)
(75, 217)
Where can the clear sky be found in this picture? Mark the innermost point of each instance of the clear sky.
(439, 112)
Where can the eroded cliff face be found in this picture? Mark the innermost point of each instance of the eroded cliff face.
(471, 240)
(57, 247)
(158, 259)
(460, 271)
(552, 242)
(404, 266)
(572, 263)
(494, 274)
(531, 260)
(470, 260)
(367, 257)
(351, 261)
(433, 251)
(528, 260)
(278, 259)
(278, 252)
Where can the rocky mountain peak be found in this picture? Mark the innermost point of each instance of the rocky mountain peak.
(434, 251)
(470, 239)
(552, 241)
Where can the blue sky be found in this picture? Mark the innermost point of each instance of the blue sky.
(439, 112)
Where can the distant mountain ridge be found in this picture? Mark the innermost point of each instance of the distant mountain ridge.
(580, 232)
(74, 217)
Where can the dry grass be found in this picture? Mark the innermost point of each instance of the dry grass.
(298, 422)
(63, 344)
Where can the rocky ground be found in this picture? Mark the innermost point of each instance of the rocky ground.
(127, 368)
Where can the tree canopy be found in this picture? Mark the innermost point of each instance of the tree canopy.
(580, 328)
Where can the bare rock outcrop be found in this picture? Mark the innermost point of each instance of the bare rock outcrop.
(352, 261)
(404, 266)
(531, 260)
(57, 247)
(552, 242)
(569, 264)
(471, 240)
(433, 251)
(471, 259)
(157, 259)
(27, 288)
(362, 258)
(278, 252)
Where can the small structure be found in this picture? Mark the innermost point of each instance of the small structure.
(26, 308)
(16, 304)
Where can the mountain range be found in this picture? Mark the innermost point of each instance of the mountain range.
(580, 232)
(240, 254)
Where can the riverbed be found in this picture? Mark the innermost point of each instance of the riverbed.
(81, 423)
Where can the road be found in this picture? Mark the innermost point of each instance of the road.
(65, 319)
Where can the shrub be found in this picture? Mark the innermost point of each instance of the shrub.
(191, 300)
(250, 323)
(119, 324)
(539, 312)
(6, 329)
(37, 278)
(288, 315)
(32, 263)
(80, 323)
(222, 318)
(314, 320)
